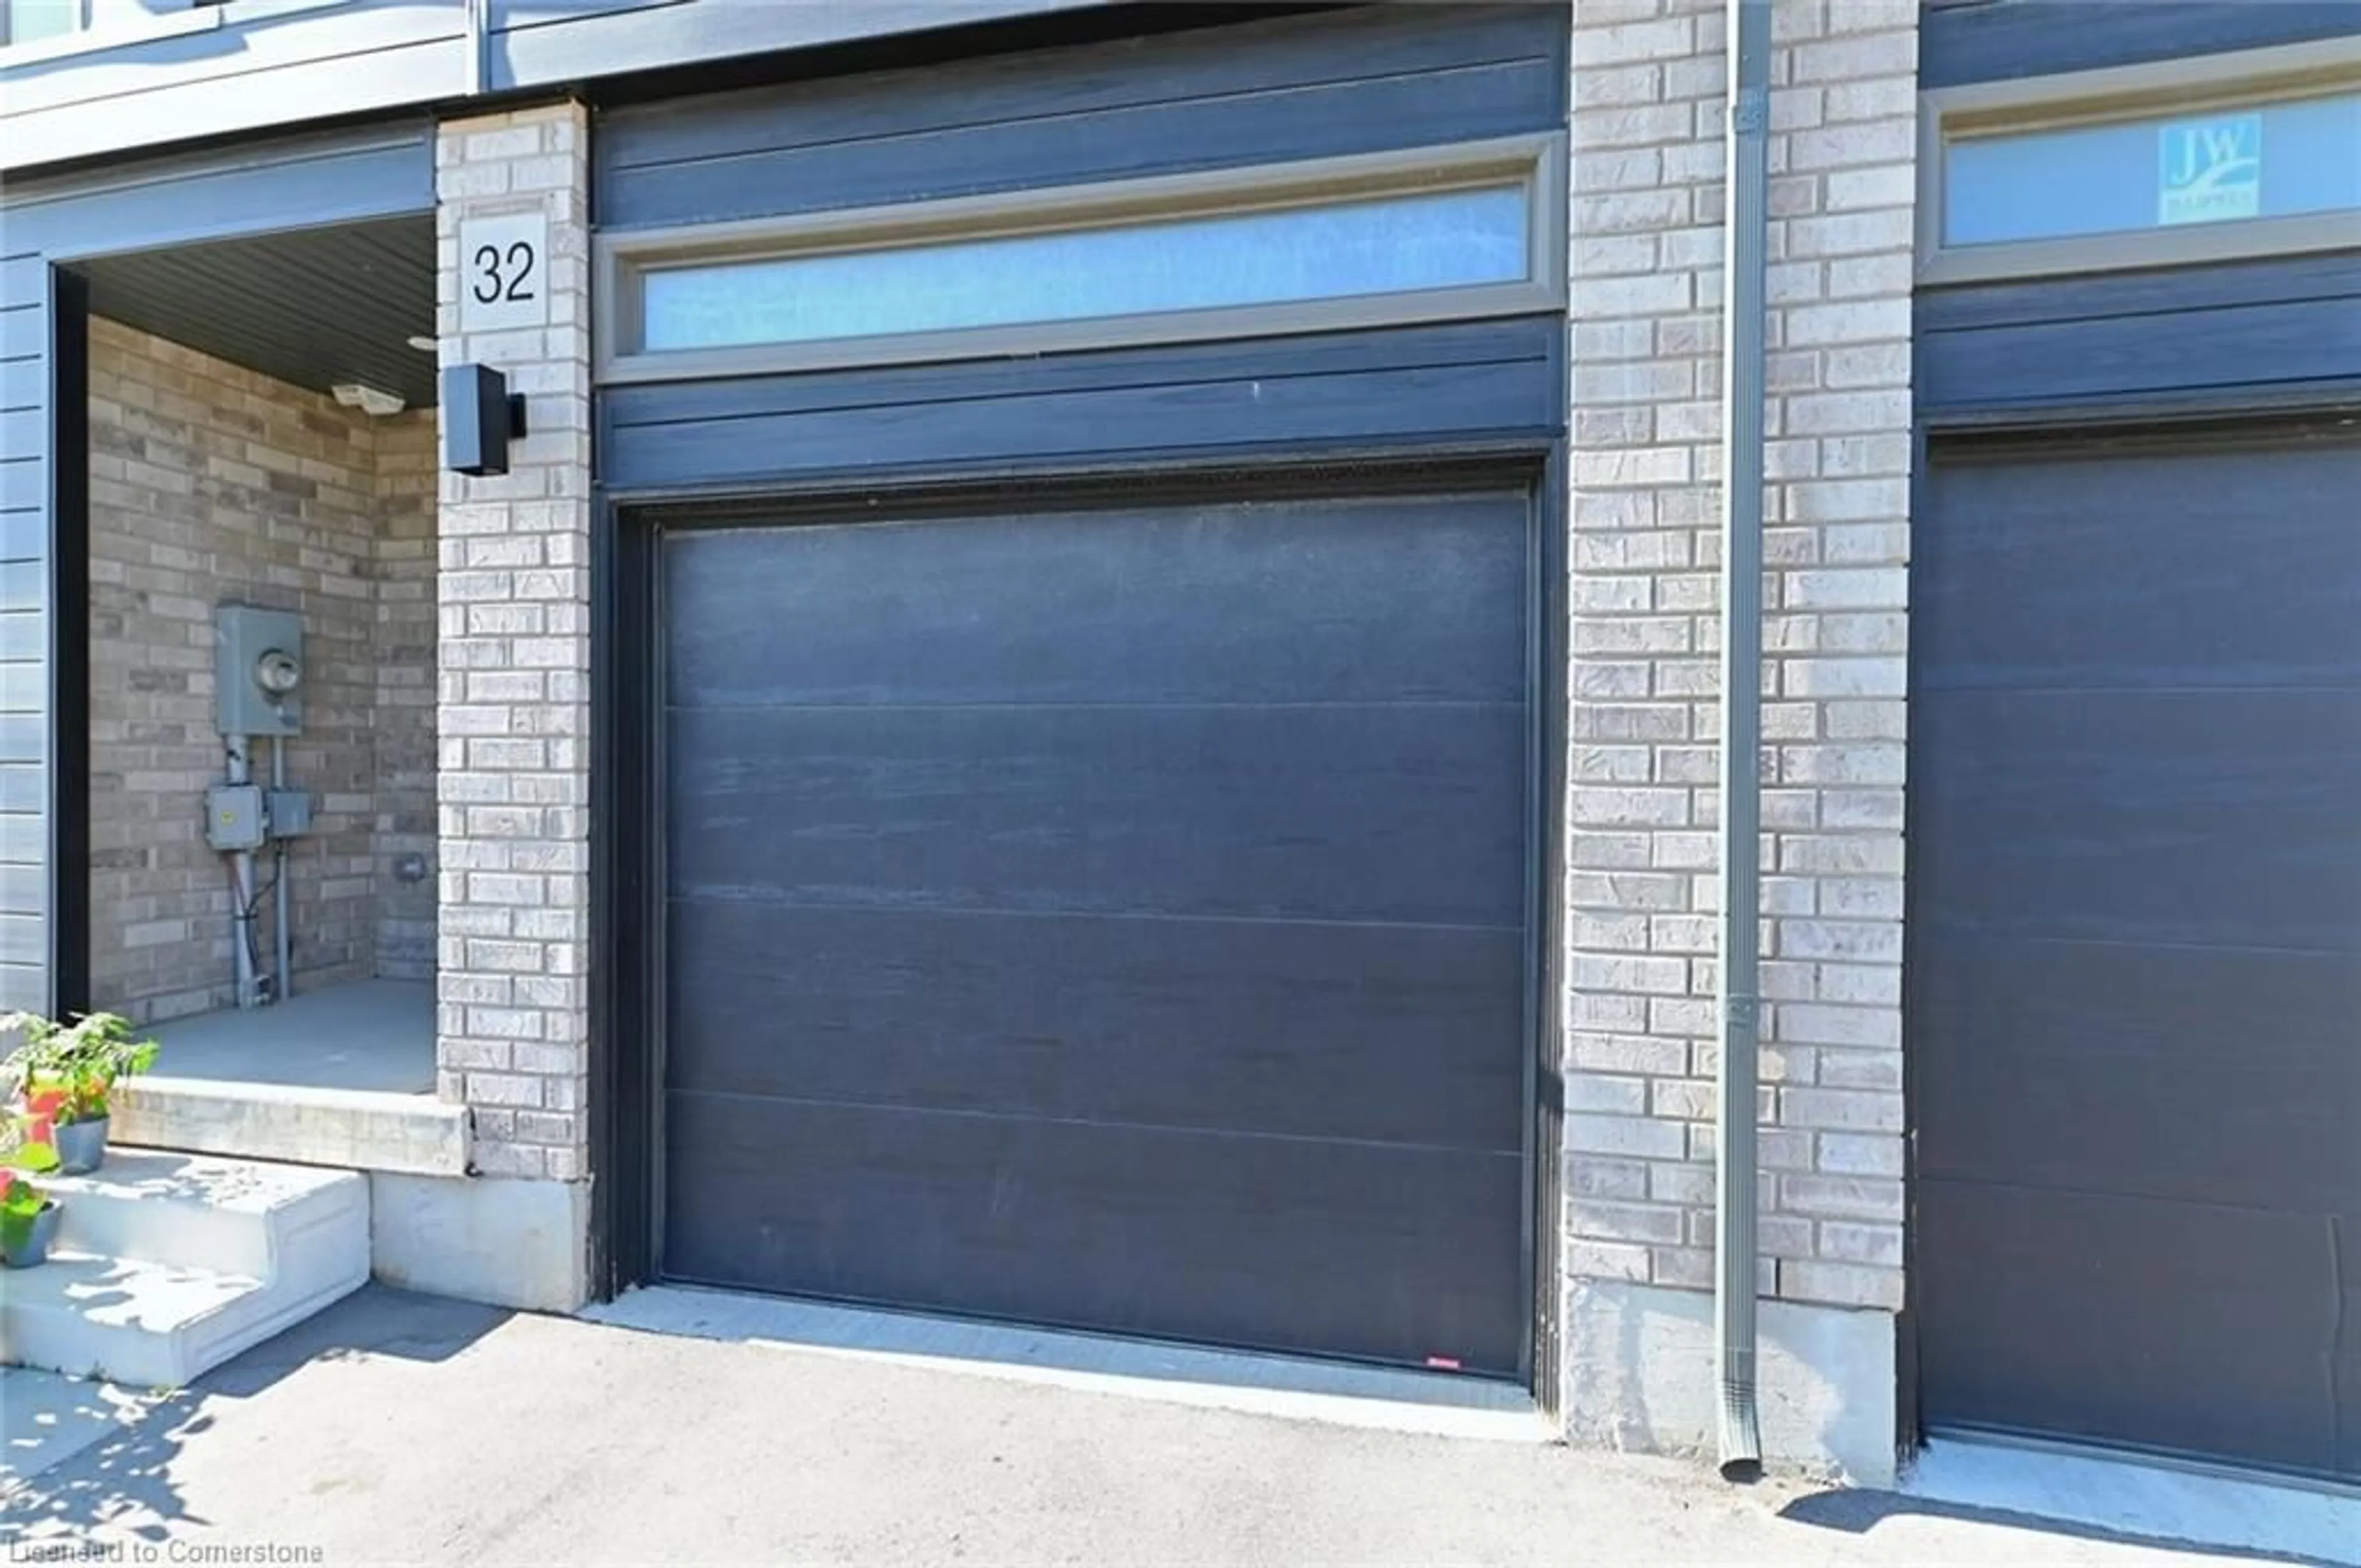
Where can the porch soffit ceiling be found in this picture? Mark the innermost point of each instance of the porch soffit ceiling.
(313, 307)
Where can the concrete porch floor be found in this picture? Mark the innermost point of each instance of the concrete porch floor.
(376, 1035)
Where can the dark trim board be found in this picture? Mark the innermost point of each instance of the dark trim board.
(627, 905)
(1372, 78)
(69, 953)
(2171, 342)
(1963, 41)
(1909, 1425)
(1215, 403)
(629, 1070)
(1545, 873)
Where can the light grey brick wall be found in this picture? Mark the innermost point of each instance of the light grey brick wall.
(211, 482)
(512, 695)
(1646, 167)
(405, 693)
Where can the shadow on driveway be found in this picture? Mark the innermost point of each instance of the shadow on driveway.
(124, 1476)
(1858, 1513)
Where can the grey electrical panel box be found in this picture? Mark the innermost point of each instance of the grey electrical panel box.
(233, 817)
(258, 670)
(289, 812)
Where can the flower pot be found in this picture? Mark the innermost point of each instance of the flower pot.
(80, 1146)
(36, 1249)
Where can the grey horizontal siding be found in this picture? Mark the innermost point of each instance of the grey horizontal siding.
(216, 73)
(24, 940)
(1467, 381)
(240, 75)
(536, 42)
(21, 839)
(130, 73)
(23, 739)
(24, 662)
(307, 182)
(24, 987)
(2286, 329)
(24, 480)
(1998, 40)
(1268, 91)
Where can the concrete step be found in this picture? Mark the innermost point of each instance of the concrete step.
(169, 1265)
(235, 1216)
(352, 1128)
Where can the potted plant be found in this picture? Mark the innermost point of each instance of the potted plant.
(28, 1215)
(66, 1073)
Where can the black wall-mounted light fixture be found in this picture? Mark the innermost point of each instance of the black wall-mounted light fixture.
(480, 417)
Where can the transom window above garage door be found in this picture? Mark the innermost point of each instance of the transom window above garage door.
(2222, 156)
(1442, 234)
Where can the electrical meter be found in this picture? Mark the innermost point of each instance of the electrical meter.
(257, 670)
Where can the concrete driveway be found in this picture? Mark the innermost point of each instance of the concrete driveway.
(405, 1429)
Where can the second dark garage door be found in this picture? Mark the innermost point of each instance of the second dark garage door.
(2136, 945)
(1112, 918)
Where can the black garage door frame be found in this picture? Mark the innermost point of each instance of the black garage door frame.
(628, 978)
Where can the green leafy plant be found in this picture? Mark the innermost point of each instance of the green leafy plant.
(66, 1071)
(24, 1149)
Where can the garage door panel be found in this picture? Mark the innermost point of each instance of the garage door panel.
(1225, 603)
(1390, 812)
(2097, 572)
(2169, 1072)
(1084, 1225)
(1297, 1029)
(2182, 1327)
(2135, 950)
(2188, 818)
(1112, 918)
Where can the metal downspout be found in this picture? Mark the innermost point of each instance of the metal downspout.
(479, 47)
(1746, 231)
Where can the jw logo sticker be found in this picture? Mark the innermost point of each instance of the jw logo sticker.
(2211, 170)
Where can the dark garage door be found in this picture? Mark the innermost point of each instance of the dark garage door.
(1108, 918)
(2135, 948)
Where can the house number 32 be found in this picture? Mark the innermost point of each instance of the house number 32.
(504, 274)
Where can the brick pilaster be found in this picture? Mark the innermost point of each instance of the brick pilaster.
(512, 693)
(1647, 247)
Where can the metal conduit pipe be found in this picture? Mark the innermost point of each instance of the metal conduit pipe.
(238, 766)
(282, 898)
(1746, 240)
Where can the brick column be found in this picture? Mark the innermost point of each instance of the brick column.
(1647, 161)
(512, 693)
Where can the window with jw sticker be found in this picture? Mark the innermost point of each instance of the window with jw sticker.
(2210, 169)
(2299, 158)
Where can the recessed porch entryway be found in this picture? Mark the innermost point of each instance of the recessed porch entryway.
(260, 436)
